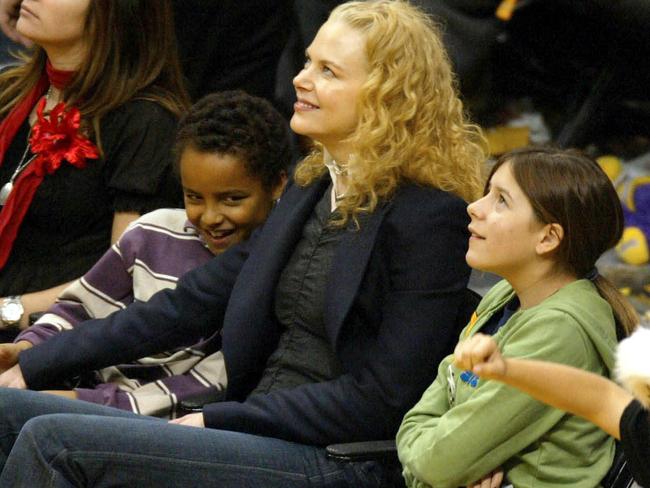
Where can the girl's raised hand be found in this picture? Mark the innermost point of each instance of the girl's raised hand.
(480, 354)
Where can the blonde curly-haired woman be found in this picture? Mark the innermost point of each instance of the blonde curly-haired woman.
(331, 317)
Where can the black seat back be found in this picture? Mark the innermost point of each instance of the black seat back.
(619, 475)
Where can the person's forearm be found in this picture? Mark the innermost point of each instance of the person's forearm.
(39, 301)
(71, 394)
(579, 392)
(121, 221)
(170, 318)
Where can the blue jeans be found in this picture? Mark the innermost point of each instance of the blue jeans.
(47, 441)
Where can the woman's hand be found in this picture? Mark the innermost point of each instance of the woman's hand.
(9, 353)
(13, 378)
(491, 480)
(191, 420)
(480, 354)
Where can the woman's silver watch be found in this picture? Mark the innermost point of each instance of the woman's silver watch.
(11, 311)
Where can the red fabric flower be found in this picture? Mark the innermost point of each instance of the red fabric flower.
(57, 138)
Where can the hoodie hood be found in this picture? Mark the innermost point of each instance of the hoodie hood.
(579, 299)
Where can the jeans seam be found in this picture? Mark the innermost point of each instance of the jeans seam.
(166, 459)
(53, 471)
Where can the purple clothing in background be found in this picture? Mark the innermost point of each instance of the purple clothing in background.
(150, 256)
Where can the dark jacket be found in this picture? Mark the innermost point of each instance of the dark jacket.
(391, 307)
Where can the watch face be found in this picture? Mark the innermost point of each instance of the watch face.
(11, 312)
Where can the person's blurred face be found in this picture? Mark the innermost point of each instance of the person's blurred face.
(54, 23)
(328, 86)
(222, 200)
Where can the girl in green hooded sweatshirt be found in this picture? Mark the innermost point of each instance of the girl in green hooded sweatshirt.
(546, 217)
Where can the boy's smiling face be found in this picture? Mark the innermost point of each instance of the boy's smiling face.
(222, 200)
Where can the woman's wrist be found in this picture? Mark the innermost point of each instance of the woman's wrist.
(12, 312)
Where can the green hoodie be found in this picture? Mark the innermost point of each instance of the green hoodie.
(464, 428)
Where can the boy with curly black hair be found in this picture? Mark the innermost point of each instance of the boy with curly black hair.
(232, 152)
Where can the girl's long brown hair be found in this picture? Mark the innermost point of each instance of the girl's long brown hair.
(570, 189)
(131, 53)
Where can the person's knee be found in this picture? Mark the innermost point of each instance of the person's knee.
(12, 416)
(8, 396)
(38, 428)
(40, 453)
(47, 434)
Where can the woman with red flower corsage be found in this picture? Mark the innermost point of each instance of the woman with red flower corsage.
(87, 122)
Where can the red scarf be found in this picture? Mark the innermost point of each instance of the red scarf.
(25, 185)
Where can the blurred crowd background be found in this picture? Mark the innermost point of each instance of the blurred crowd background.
(574, 73)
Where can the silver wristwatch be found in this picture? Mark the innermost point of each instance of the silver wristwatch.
(11, 311)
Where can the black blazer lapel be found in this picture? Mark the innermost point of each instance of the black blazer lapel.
(283, 230)
(270, 253)
(348, 268)
(249, 327)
